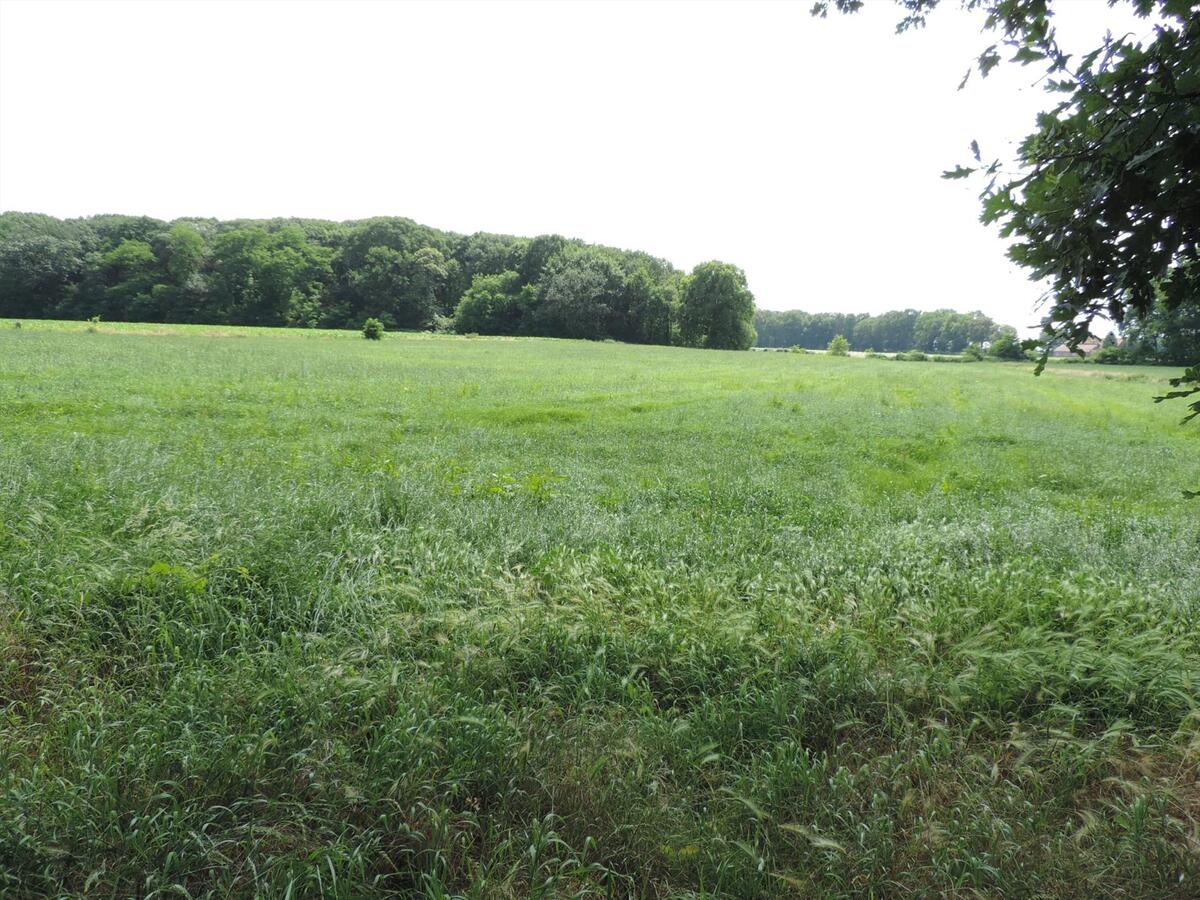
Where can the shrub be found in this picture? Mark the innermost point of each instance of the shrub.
(796, 349)
(1113, 356)
(1006, 347)
(972, 353)
(372, 329)
(443, 324)
(93, 324)
(871, 354)
(839, 346)
(912, 356)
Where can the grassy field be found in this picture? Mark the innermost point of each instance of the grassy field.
(298, 614)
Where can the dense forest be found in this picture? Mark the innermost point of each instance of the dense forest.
(316, 273)
(310, 273)
(940, 331)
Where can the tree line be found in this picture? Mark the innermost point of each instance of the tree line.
(1166, 335)
(317, 273)
(939, 331)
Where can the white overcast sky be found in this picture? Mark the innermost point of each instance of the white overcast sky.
(806, 151)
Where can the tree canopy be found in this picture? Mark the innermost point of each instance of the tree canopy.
(1104, 203)
(307, 272)
(718, 308)
(935, 331)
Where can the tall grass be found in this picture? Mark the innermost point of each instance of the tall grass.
(316, 616)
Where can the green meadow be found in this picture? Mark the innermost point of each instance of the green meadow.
(295, 614)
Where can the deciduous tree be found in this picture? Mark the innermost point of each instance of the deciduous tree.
(718, 308)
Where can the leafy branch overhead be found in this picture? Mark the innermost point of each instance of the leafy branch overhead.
(1104, 205)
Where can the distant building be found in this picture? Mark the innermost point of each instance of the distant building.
(1090, 346)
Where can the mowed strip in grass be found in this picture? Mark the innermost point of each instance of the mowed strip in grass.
(297, 614)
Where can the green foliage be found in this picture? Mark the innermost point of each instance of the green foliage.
(579, 294)
(260, 276)
(127, 275)
(717, 308)
(483, 254)
(540, 251)
(37, 272)
(185, 252)
(1116, 150)
(495, 304)
(372, 330)
(292, 612)
(839, 346)
(1006, 347)
(1113, 356)
(649, 308)
(940, 330)
(1105, 205)
(128, 259)
(401, 288)
(1167, 335)
(307, 273)
(1186, 385)
(972, 353)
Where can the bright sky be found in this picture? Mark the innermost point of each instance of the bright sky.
(806, 151)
